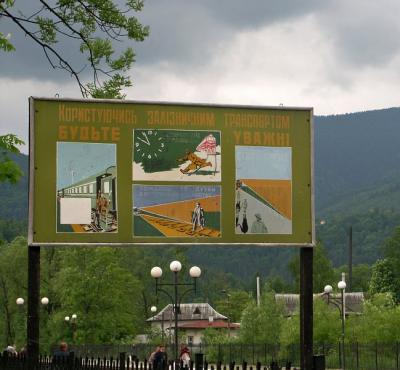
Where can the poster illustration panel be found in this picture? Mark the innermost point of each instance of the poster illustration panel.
(263, 200)
(86, 187)
(176, 155)
(177, 210)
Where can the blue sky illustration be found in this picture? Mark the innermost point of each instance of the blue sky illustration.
(260, 162)
(76, 161)
(150, 195)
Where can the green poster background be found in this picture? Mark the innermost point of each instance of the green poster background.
(106, 121)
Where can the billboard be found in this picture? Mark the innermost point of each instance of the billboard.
(111, 172)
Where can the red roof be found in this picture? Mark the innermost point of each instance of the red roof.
(204, 324)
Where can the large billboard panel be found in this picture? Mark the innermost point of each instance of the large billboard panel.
(107, 172)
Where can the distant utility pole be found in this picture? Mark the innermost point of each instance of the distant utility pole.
(350, 282)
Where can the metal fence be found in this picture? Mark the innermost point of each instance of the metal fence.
(11, 362)
(358, 356)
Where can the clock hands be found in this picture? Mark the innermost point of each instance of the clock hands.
(154, 143)
(147, 142)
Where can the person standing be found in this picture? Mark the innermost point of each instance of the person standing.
(160, 359)
(185, 356)
(62, 353)
(152, 357)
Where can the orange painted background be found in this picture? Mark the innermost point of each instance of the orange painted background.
(276, 192)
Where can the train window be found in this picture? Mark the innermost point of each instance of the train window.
(81, 189)
(106, 187)
(90, 188)
(85, 189)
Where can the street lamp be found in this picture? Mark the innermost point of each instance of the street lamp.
(328, 290)
(175, 267)
(20, 301)
(72, 321)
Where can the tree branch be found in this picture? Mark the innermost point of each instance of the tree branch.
(63, 63)
(82, 37)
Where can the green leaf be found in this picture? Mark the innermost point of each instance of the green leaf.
(6, 45)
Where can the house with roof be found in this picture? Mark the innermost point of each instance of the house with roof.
(193, 319)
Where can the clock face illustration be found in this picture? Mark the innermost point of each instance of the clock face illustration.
(148, 144)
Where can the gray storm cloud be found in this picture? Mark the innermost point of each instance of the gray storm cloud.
(188, 34)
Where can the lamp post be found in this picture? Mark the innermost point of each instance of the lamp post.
(20, 301)
(328, 290)
(175, 267)
(72, 321)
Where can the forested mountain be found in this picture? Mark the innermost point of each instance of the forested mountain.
(14, 198)
(354, 152)
(357, 183)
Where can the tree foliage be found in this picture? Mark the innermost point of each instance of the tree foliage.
(13, 284)
(323, 272)
(386, 272)
(95, 27)
(232, 304)
(262, 324)
(9, 170)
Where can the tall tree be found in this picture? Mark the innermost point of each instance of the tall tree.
(94, 26)
(262, 324)
(12, 285)
(232, 304)
(92, 284)
(383, 278)
(386, 272)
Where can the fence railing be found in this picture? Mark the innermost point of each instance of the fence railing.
(15, 362)
(358, 356)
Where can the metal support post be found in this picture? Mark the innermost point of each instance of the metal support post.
(306, 308)
(176, 312)
(33, 305)
(343, 318)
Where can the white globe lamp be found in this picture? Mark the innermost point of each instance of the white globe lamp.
(175, 266)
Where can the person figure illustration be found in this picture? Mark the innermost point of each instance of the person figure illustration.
(198, 217)
(241, 207)
(98, 209)
(258, 226)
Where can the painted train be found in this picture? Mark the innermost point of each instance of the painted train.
(101, 189)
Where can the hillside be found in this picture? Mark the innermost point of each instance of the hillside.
(354, 152)
(14, 198)
(357, 179)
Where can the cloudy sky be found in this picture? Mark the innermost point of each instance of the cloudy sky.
(337, 56)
